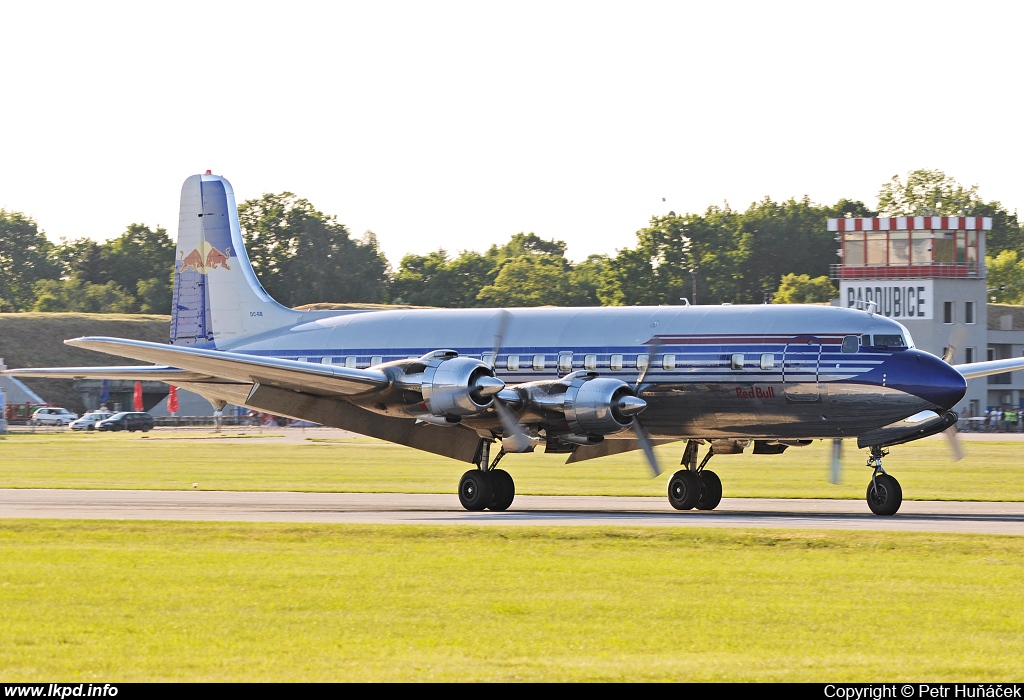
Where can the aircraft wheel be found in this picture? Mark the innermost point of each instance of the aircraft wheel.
(710, 491)
(476, 489)
(504, 490)
(887, 497)
(684, 489)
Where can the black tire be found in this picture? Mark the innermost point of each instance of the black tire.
(476, 489)
(887, 497)
(710, 491)
(504, 490)
(684, 489)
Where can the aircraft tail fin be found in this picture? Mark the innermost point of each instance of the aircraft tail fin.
(217, 299)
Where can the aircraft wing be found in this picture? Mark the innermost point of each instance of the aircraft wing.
(145, 373)
(983, 369)
(189, 364)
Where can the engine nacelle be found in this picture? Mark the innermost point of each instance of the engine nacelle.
(600, 405)
(458, 386)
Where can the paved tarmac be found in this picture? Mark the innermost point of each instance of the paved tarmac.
(444, 509)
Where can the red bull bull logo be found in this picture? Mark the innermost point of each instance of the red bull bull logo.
(205, 258)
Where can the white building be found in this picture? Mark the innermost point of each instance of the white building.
(928, 273)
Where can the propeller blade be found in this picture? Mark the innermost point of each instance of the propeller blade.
(499, 336)
(515, 438)
(652, 352)
(955, 445)
(836, 465)
(957, 340)
(647, 446)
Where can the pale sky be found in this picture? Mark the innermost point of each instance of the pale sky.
(456, 125)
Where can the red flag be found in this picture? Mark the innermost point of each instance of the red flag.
(172, 400)
(137, 397)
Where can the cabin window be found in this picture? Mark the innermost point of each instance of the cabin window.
(565, 362)
(350, 361)
(668, 362)
(767, 361)
(376, 360)
(538, 362)
(642, 361)
(326, 360)
(737, 360)
(590, 362)
(512, 363)
(865, 340)
(488, 359)
(615, 362)
(851, 343)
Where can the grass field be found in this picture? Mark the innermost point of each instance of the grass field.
(85, 601)
(174, 460)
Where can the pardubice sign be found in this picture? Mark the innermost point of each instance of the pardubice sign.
(898, 299)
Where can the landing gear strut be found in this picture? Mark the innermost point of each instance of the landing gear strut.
(486, 486)
(695, 486)
(884, 493)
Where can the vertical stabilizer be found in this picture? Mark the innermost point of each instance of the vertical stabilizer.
(217, 299)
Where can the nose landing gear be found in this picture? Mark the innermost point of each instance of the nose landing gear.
(884, 495)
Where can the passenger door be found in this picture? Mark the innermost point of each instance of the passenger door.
(800, 363)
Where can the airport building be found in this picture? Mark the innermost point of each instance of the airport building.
(928, 273)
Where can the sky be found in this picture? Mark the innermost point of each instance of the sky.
(455, 125)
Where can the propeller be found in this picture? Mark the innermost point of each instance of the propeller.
(637, 405)
(515, 438)
(836, 466)
(957, 340)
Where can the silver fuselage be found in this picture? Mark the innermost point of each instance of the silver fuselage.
(761, 371)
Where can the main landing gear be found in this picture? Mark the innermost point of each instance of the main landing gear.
(486, 486)
(884, 493)
(695, 486)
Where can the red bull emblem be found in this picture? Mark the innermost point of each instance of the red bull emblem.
(215, 258)
(205, 258)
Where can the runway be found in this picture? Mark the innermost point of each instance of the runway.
(444, 509)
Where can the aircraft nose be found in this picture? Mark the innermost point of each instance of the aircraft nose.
(928, 377)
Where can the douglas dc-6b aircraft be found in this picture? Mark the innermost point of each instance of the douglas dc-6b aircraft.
(588, 382)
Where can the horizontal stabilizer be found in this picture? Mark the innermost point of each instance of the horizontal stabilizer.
(324, 380)
(983, 369)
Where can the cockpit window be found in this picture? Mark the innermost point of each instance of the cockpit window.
(851, 343)
(889, 341)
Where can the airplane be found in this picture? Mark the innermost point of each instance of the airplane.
(586, 382)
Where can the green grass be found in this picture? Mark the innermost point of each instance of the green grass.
(86, 601)
(170, 460)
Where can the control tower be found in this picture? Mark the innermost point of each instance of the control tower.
(928, 273)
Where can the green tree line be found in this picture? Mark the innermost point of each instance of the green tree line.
(771, 251)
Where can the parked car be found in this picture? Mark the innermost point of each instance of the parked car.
(127, 420)
(52, 415)
(90, 419)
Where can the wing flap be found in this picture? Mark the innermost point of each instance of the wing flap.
(147, 373)
(215, 365)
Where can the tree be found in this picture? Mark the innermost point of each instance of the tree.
(25, 258)
(303, 255)
(435, 280)
(927, 193)
(532, 280)
(1006, 277)
(75, 295)
(801, 289)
